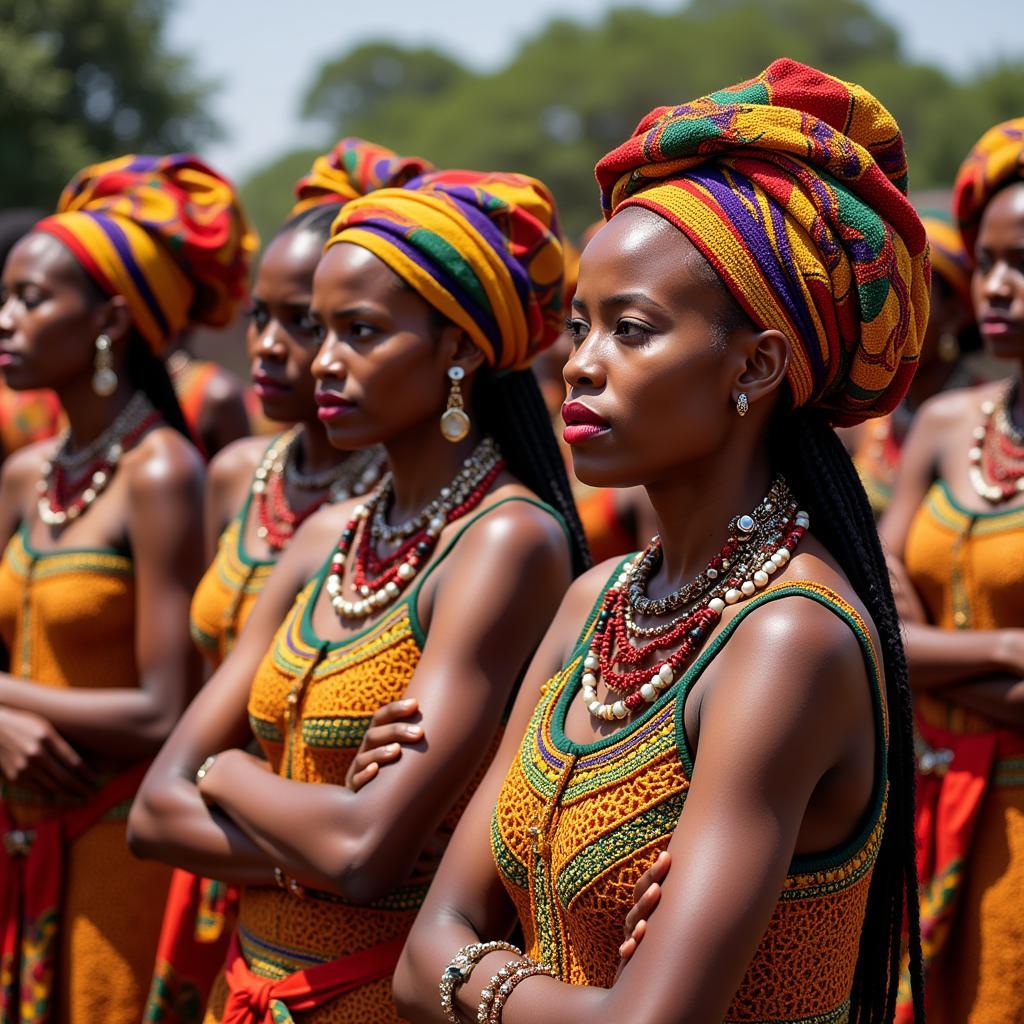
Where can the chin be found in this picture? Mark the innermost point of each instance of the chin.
(351, 437)
(600, 470)
(23, 378)
(1005, 346)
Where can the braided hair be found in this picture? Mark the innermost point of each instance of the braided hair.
(820, 471)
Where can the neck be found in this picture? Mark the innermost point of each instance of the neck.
(1016, 408)
(421, 463)
(90, 414)
(693, 508)
(317, 453)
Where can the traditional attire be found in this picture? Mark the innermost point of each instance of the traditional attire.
(80, 914)
(27, 417)
(485, 251)
(793, 187)
(200, 912)
(968, 569)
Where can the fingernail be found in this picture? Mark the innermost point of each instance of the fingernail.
(412, 730)
(393, 748)
(408, 703)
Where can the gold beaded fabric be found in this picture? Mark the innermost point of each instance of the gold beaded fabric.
(576, 825)
(315, 741)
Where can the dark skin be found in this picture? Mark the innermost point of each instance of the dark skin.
(981, 670)
(282, 341)
(54, 740)
(652, 357)
(484, 610)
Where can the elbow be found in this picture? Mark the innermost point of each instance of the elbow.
(145, 824)
(360, 874)
(404, 988)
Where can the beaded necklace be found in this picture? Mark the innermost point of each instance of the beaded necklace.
(71, 481)
(278, 521)
(759, 545)
(996, 467)
(381, 581)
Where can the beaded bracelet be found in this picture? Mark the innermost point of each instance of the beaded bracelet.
(282, 882)
(526, 969)
(460, 967)
(499, 980)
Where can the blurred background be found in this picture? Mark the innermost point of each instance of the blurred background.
(259, 87)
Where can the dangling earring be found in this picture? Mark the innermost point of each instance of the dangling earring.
(742, 404)
(949, 347)
(104, 379)
(455, 420)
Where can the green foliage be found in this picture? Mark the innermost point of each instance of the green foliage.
(573, 91)
(84, 82)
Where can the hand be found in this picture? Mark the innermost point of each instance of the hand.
(34, 754)
(646, 896)
(1010, 651)
(382, 742)
(207, 784)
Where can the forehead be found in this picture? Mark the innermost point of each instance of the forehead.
(1003, 220)
(290, 259)
(346, 269)
(41, 257)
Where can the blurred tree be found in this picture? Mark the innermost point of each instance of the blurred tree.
(572, 91)
(85, 82)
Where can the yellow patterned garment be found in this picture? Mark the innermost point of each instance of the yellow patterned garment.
(228, 590)
(968, 569)
(577, 824)
(67, 619)
(338, 687)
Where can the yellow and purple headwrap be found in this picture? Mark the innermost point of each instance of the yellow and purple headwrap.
(352, 169)
(996, 159)
(165, 232)
(793, 187)
(484, 250)
(948, 256)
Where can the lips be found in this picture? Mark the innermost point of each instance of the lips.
(581, 423)
(998, 325)
(331, 406)
(266, 386)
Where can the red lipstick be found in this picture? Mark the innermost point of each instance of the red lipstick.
(581, 423)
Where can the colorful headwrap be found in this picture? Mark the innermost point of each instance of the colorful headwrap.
(352, 169)
(793, 186)
(166, 232)
(947, 254)
(483, 249)
(997, 158)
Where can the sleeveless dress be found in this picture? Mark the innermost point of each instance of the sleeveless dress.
(336, 688)
(968, 568)
(576, 825)
(67, 619)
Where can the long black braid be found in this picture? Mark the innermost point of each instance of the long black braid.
(822, 474)
(510, 407)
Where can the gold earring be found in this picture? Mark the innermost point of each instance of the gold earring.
(742, 404)
(455, 420)
(949, 347)
(104, 379)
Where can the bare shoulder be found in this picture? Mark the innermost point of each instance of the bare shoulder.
(514, 525)
(234, 465)
(950, 409)
(224, 388)
(22, 468)
(163, 462)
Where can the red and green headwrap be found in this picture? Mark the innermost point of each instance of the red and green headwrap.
(352, 169)
(996, 160)
(484, 250)
(793, 186)
(165, 232)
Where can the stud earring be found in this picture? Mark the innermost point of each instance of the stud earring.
(742, 404)
(949, 347)
(455, 419)
(104, 379)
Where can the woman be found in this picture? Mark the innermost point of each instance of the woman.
(431, 301)
(258, 495)
(104, 553)
(951, 334)
(761, 276)
(955, 530)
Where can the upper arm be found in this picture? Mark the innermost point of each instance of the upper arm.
(768, 735)
(227, 483)
(224, 417)
(18, 474)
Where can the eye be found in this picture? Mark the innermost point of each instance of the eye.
(576, 328)
(305, 324)
(258, 316)
(633, 330)
(361, 331)
(30, 297)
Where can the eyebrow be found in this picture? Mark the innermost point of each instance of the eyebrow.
(633, 299)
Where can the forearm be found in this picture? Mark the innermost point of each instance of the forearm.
(174, 825)
(127, 723)
(1001, 700)
(939, 658)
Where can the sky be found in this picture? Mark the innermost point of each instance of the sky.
(265, 52)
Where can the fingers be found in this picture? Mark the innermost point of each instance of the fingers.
(357, 780)
(393, 733)
(396, 711)
(366, 764)
(70, 762)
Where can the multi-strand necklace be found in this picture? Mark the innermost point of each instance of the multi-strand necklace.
(380, 581)
(72, 480)
(626, 657)
(996, 467)
(277, 520)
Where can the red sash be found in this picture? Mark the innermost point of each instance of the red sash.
(31, 883)
(255, 1000)
(955, 772)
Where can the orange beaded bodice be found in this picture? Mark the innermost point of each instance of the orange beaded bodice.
(577, 824)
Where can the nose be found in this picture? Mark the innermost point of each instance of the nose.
(329, 363)
(996, 283)
(584, 369)
(6, 317)
(270, 342)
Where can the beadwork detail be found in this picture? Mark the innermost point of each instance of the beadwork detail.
(996, 466)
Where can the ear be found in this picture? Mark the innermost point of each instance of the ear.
(114, 320)
(458, 350)
(767, 360)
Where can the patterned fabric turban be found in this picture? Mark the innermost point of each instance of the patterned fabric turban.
(166, 232)
(793, 187)
(353, 168)
(997, 159)
(483, 249)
